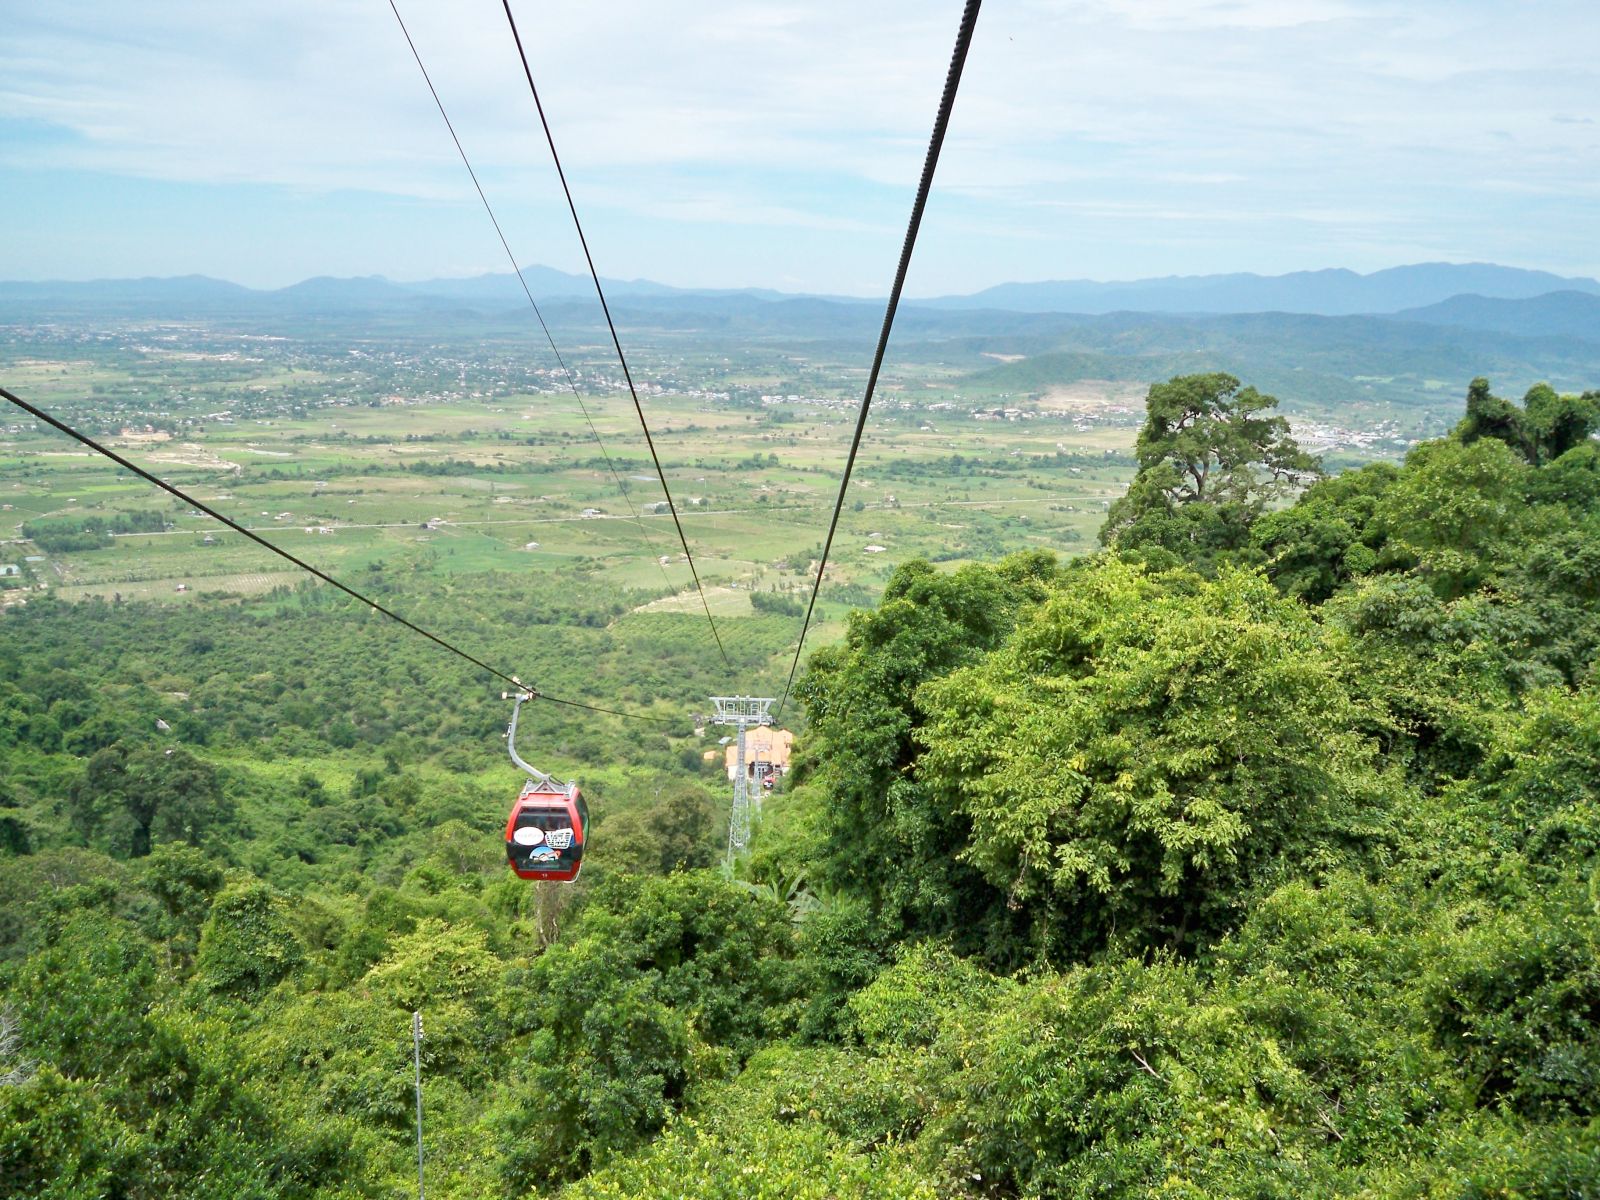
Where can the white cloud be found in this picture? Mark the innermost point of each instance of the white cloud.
(1190, 15)
(717, 111)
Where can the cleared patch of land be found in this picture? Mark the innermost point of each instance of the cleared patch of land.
(252, 583)
(722, 601)
(1094, 396)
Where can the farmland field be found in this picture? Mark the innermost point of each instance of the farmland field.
(430, 465)
(445, 458)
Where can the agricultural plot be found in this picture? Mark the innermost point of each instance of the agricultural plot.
(443, 462)
(387, 468)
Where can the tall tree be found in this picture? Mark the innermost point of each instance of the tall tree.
(1488, 416)
(1211, 457)
(131, 796)
(1545, 427)
(1557, 422)
(1455, 511)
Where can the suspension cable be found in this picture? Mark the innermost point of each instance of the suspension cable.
(958, 59)
(622, 488)
(99, 448)
(612, 325)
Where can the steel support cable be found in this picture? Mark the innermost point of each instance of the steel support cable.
(622, 488)
(958, 59)
(612, 325)
(62, 427)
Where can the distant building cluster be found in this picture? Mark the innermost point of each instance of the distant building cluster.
(766, 755)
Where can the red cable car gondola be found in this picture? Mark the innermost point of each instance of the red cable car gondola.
(544, 833)
(548, 824)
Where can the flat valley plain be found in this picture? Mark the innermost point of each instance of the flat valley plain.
(447, 467)
(443, 462)
(430, 450)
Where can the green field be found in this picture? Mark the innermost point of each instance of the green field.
(402, 473)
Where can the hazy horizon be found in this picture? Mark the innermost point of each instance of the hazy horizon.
(531, 267)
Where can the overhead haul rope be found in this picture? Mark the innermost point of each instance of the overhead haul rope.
(98, 448)
(612, 325)
(969, 19)
(622, 488)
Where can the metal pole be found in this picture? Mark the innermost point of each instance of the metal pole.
(741, 797)
(416, 1051)
(741, 712)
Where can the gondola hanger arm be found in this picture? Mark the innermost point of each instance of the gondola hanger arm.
(518, 699)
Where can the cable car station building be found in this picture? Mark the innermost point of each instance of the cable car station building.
(766, 753)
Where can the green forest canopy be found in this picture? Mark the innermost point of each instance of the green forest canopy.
(1255, 855)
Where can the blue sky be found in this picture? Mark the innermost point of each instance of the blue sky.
(734, 143)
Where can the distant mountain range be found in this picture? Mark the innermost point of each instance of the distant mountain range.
(1466, 294)
(200, 295)
(1571, 314)
(1331, 293)
(1443, 326)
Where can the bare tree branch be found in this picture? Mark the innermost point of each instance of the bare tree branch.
(14, 1068)
(1140, 1059)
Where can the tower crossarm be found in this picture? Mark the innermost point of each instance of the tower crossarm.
(743, 710)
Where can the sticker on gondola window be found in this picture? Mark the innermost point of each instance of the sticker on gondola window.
(559, 839)
(528, 835)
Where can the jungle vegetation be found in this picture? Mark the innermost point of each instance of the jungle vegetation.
(1255, 855)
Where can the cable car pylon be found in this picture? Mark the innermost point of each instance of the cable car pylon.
(741, 712)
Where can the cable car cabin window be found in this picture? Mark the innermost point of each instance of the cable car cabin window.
(542, 843)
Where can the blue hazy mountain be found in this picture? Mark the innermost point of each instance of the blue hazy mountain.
(199, 290)
(1569, 314)
(200, 295)
(1334, 292)
(1417, 356)
(549, 283)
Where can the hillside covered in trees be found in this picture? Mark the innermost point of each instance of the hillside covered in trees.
(1255, 855)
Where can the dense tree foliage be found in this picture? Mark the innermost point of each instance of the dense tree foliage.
(1142, 753)
(130, 796)
(659, 986)
(1544, 428)
(864, 720)
(1258, 855)
(1210, 460)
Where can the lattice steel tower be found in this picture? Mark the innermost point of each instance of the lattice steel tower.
(741, 712)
